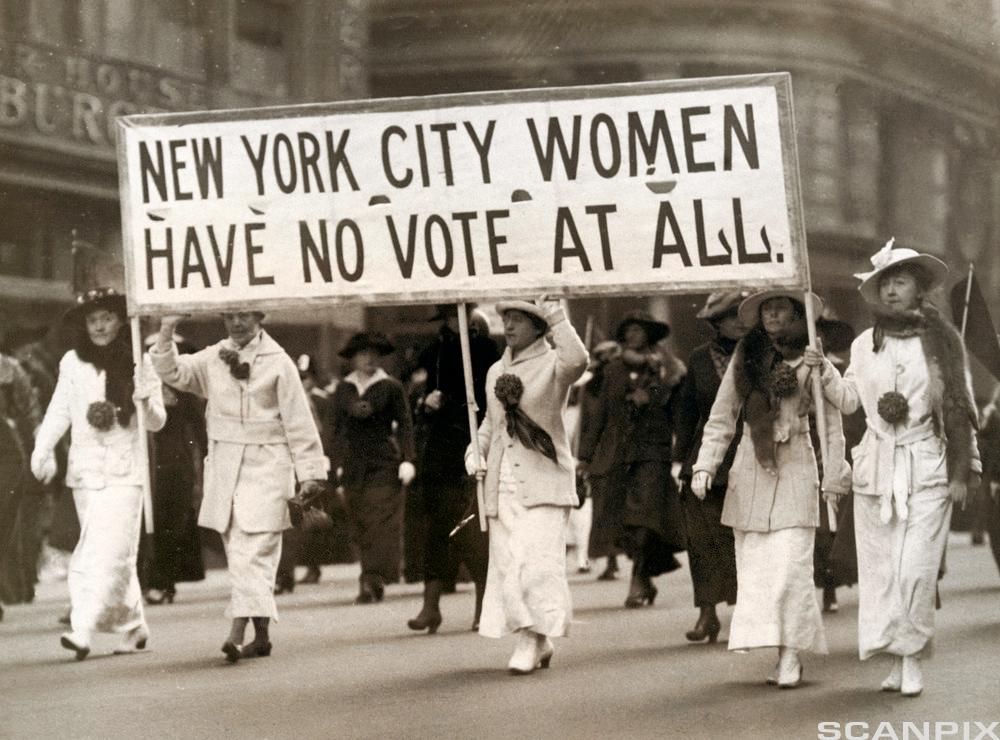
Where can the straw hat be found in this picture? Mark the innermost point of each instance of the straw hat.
(889, 257)
(524, 307)
(721, 302)
(749, 311)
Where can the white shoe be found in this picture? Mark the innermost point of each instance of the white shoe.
(526, 657)
(913, 678)
(894, 680)
(80, 644)
(789, 670)
(133, 641)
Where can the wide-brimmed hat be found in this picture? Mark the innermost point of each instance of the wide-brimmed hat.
(524, 307)
(655, 330)
(374, 340)
(720, 303)
(97, 299)
(891, 256)
(749, 310)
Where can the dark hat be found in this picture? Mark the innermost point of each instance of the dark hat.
(374, 340)
(97, 299)
(444, 311)
(722, 303)
(655, 330)
(837, 335)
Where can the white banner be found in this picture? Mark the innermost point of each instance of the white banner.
(682, 186)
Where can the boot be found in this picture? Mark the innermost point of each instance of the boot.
(641, 590)
(429, 617)
(707, 626)
(610, 571)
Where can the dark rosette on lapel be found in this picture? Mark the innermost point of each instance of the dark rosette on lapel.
(101, 415)
(783, 381)
(520, 426)
(239, 370)
(893, 407)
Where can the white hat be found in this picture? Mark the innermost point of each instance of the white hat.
(749, 311)
(524, 307)
(888, 257)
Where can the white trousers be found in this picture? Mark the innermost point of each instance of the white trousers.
(252, 558)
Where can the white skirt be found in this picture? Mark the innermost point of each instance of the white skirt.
(776, 600)
(898, 567)
(526, 586)
(252, 559)
(103, 585)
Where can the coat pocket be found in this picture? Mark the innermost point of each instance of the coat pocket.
(930, 467)
(863, 471)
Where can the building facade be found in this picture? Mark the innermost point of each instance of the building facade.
(896, 104)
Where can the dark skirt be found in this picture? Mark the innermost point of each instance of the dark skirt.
(376, 512)
(652, 518)
(606, 526)
(711, 548)
(172, 554)
(446, 503)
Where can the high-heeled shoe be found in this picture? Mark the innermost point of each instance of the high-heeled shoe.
(78, 644)
(284, 584)
(133, 641)
(233, 651)
(256, 650)
(640, 594)
(154, 596)
(708, 625)
(526, 657)
(430, 622)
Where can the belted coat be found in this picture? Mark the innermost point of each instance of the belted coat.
(547, 374)
(261, 432)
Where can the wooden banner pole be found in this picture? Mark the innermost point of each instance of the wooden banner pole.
(140, 419)
(470, 402)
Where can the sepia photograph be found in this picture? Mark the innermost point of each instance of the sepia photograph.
(500, 369)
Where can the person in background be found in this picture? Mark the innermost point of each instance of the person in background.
(633, 430)
(917, 459)
(449, 495)
(261, 439)
(172, 553)
(96, 400)
(989, 445)
(772, 501)
(530, 482)
(581, 515)
(711, 549)
(19, 418)
(606, 506)
(373, 461)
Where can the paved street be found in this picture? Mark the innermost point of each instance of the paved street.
(340, 670)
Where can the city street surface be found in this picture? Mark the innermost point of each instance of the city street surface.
(340, 670)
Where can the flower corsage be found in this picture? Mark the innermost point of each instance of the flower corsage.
(893, 407)
(101, 415)
(239, 370)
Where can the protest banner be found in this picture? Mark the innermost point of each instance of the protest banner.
(654, 187)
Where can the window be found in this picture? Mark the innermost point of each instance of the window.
(261, 47)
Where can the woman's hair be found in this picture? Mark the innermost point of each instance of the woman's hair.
(917, 272)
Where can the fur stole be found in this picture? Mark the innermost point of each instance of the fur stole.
(754, 359)
(953, 412)
(115, 360)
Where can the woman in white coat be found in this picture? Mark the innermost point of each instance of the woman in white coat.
(530, 480)
(95, 400)
(261, 438)
(917, 458)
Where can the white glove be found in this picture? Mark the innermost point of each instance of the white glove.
(470, 465)
(434, 400)
(701, 481)
(407, 473)
(143, 386)
(43, 465)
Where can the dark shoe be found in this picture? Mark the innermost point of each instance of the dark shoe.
(156, 596)
(610, 572)
(233, 651)
(475, 625)
(830, 604)
(133, 641)
(429, 622)
(284, 584)
(77, 645)
(372, 590)
(64, 618)
(255, 650)
(312, 575)
(642, 592)
(707, 626)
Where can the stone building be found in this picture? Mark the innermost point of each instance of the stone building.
(896, 101)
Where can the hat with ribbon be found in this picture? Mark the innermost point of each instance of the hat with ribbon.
(367, 340)
(720, 303)
(890, 256)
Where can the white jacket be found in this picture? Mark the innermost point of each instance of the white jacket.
(97, 459)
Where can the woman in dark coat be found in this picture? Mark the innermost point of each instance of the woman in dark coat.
(173, 552)
(449, 493)
(637, 409)
(372, 463)
(711, 549)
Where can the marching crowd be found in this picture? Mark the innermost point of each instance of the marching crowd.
(722, 457)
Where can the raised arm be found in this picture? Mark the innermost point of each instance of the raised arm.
(571, 355)
(183, 372)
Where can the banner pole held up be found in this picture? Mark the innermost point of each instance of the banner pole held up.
(820, 407)
(470, 403)
(968, 295)
(140, 420)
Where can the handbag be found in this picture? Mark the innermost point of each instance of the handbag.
(305, 515)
